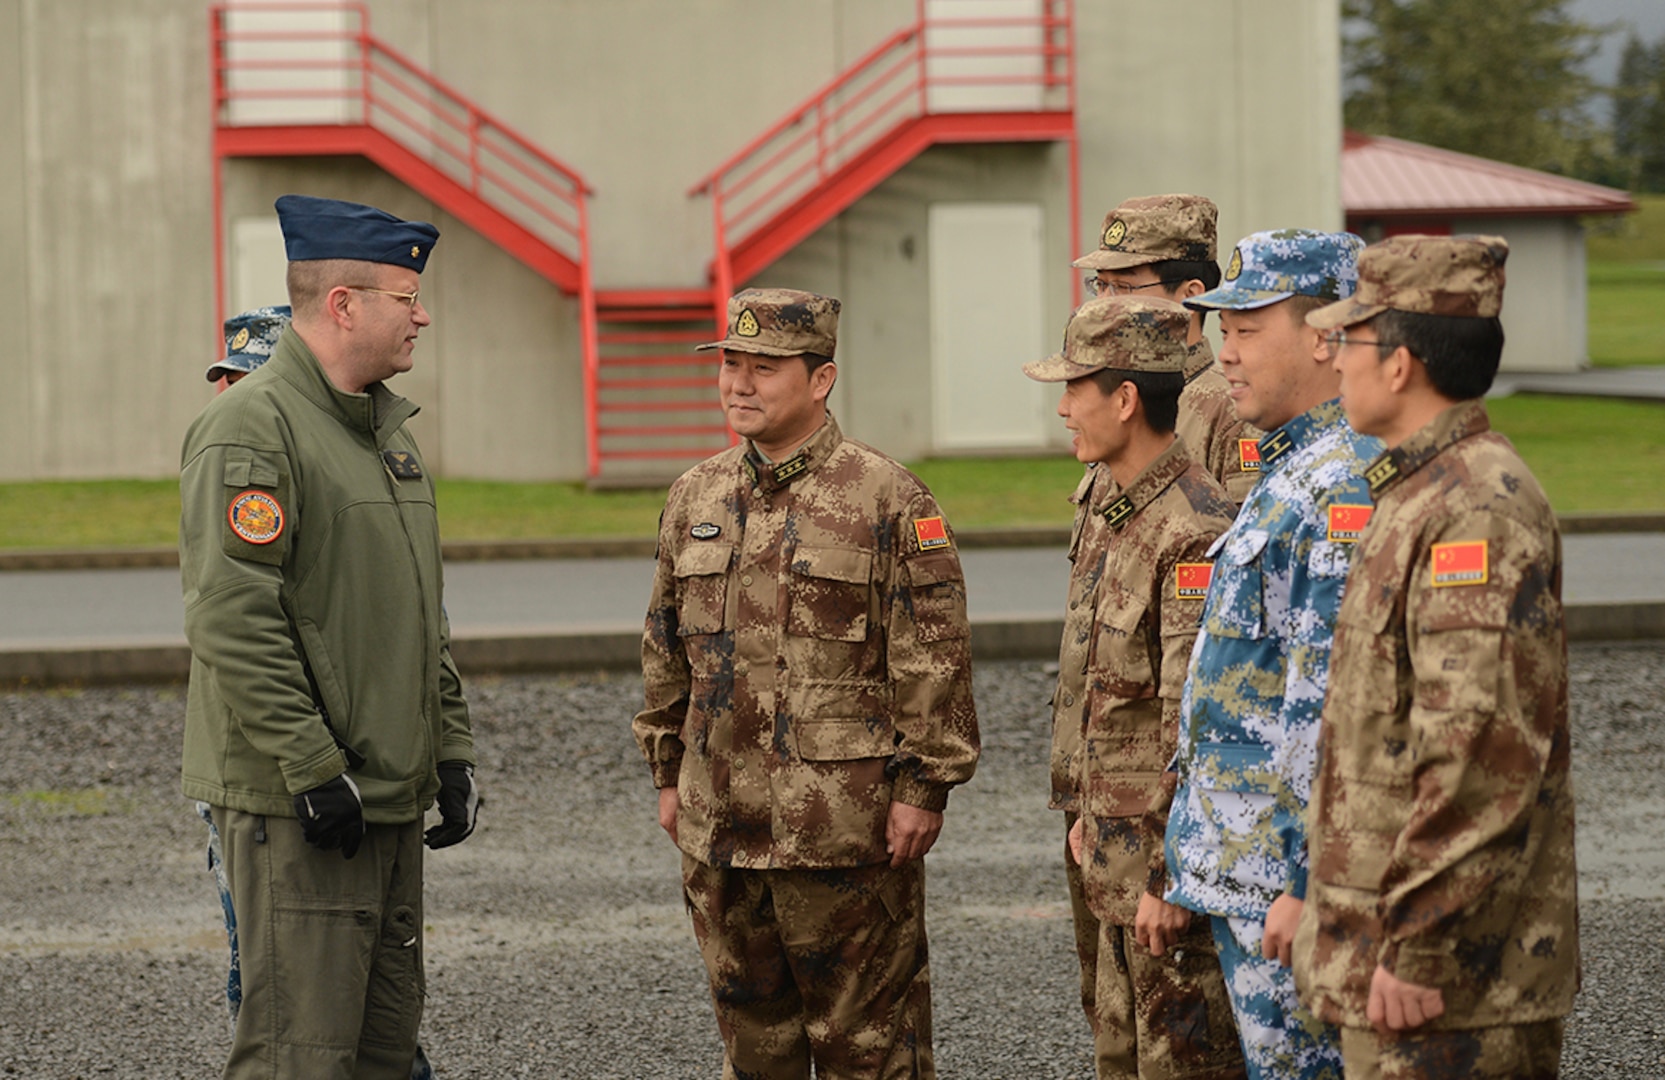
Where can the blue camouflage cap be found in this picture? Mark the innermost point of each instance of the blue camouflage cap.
(315, 228)
(1266, 267)
(249, 340)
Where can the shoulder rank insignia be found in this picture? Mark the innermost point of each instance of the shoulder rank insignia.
(1347, 521)
(1381, 472)
(1462, 563)
(402, 464)
(931, 533)
(1191, 580)
(1275, 446)
(1118, 512)
(705, 530)
(1248, 455)
(791, 468)
(256, 517)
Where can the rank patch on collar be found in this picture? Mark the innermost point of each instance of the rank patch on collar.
(791, 468)
(402, 464)
(705, 530)
(1118, 512)
(1347, 521)
(1191, 580)
(1462, 563)
(256, 517)
(1381, 473)
(746, 325)
(930, 532)
(1275, 446)
(1248, 455)
(1115, 232)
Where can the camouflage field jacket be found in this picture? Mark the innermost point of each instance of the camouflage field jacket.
(806, 658)
(1442, 821)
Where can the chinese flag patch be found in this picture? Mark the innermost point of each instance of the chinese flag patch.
(930, 532)
(1248, 455)
(1459, 564)
(1347, 521)
(1191, 580)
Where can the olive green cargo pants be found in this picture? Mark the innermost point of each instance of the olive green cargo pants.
(331, 951)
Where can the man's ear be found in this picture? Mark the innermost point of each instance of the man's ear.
(1127, 401)
(335, 305)
(821, 380)
(1402, 369)
(1190, 288)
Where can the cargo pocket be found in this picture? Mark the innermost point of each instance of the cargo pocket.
(393, 1006)
(701, 575)
(319, 937)
(1121, 653)
(936, 596)
(829, 593)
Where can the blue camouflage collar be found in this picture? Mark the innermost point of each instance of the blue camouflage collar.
(1309, 426)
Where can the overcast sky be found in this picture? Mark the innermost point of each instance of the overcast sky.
(1646, 17)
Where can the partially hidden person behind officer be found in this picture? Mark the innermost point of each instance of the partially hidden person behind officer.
(1138, 581)
(250, 338)
(807, 672)
(1248, 748)
(324, 714)
(1441, 928)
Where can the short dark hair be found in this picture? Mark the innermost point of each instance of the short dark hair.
(1158, 393)
(815, 360)
(1460, 352)
(1179, 271)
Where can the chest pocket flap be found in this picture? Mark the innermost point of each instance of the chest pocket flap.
(1236, 605)
(701, 572)
(829, 593)
(1244, 767)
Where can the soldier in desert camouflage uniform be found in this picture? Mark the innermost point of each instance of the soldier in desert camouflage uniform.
(1248, 749)
(1441, 929)
(1140, 582)
(807, 670)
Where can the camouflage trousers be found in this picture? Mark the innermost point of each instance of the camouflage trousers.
(1086, 927)
(823, 965)
(1515, 1052)
(1282, 1040)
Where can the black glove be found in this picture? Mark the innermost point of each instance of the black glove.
(332, 815)
(459, 805)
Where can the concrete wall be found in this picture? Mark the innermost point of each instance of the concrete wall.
(111, 305)
(1544, 301)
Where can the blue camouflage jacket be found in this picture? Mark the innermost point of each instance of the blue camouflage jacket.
(1250, 711)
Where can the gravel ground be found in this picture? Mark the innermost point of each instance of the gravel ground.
(557, 942)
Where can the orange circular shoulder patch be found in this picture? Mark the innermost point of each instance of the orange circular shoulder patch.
(256, 517)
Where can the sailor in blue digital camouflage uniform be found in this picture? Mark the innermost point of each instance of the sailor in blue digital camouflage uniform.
(1236, 839)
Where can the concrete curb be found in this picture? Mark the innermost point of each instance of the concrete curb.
(637, 547)
(507, 651)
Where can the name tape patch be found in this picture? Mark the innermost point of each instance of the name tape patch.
(930, 532)
(256, 517)
(1462, 563)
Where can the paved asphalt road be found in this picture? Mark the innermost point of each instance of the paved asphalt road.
(63, 607)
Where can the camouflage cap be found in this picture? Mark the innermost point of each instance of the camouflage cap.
(1425, 275)
(1266, 267)
(1128, 333)
(780, 322)
(1155, 228)
(249, 340)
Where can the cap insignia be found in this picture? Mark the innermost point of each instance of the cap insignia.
(1115, 232)
(1235, 267)
(240, 340)
(415, 252)
(256, 517)
(746, 325)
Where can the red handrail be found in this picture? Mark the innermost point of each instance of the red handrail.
(888, 86)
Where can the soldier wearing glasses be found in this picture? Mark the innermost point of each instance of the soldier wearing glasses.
(324, 713)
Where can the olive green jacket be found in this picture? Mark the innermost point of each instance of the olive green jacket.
(309, 554)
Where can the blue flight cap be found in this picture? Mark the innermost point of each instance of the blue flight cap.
(1266, 267)
(249, 340)
(315, 228)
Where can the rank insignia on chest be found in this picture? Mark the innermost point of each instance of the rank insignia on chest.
(1462, 563)
(1275, 446)
(256, 517)
(1248, 455)
(930, 532)
(402, 464)
(1191, 580)
(1381, 473)
(1347, 521)
(705, 530)
(1118, 512)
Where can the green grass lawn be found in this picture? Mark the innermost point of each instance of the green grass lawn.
(1590, 454)
(1626, 313)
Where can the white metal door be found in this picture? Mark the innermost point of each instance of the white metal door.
(258, 264)
(986, 321)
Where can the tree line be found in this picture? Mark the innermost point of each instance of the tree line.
(1506, 82)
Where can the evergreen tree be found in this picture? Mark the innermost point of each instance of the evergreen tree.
(1639, 115)
(1503, 81)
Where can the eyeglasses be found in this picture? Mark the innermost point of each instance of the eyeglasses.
(1338, 340)
(1099, 287)
(406, 298)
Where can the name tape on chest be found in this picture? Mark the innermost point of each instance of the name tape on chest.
(931, 533)
(256, 517)
(1248, 455)
(1461, 563)
(1191, 580)
(1347, 521)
